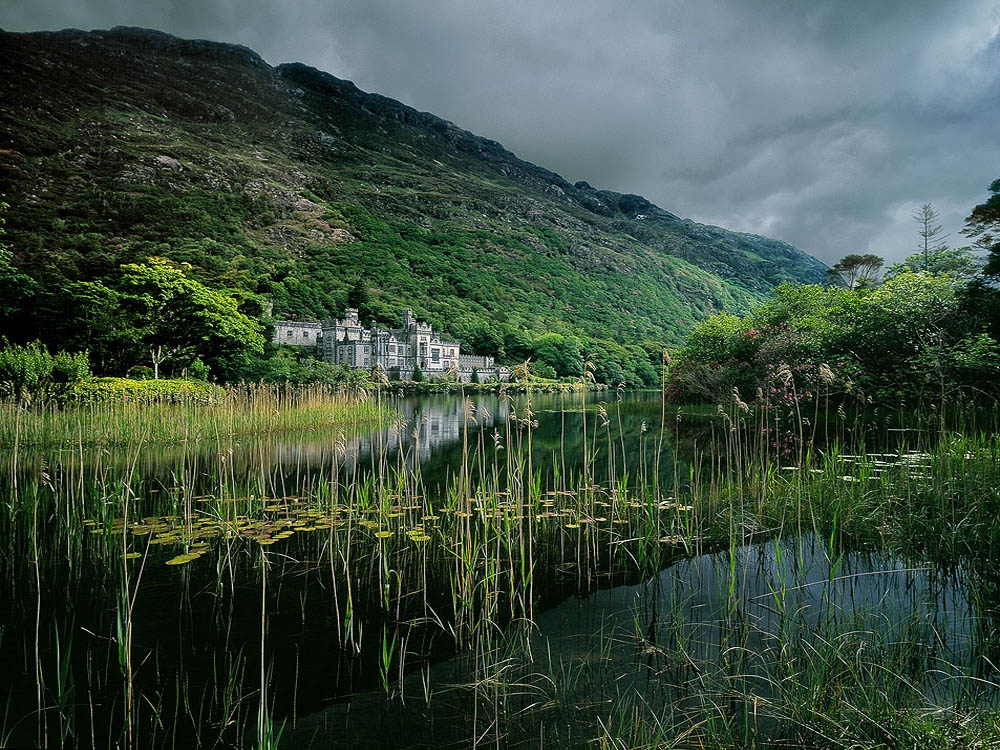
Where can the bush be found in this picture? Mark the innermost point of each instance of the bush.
(198, 370)
(287, 364)
(31, 373)
(908, 338)
(163, 390)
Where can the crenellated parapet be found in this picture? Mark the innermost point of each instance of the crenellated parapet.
(398, 352)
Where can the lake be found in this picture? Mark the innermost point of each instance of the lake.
(510, 571)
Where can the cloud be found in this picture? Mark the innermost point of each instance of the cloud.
(817, 123)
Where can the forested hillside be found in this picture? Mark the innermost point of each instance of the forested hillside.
(297, 195)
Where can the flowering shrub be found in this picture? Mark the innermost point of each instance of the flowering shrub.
(905, 339)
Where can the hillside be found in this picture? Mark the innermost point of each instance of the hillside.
(288, 183)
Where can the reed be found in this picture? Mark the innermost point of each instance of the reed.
(395, 570)
(240, 411)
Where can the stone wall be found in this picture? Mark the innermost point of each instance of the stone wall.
(298, 333)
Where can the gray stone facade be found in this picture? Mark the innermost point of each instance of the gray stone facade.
(395, 351)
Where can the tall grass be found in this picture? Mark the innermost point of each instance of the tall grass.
(375, 571)
(242, 410)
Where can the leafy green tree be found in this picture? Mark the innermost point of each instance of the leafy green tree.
(983, 226)
(15, 287)
(360, 299)
(31, 373)
(486, 338)
(179, 319)
(518, 345)
(104, 327)
(981, 301)
(958, 262)
(856, 269)
(288, 364)
(646, 372)
(561, 353)
(910, 336)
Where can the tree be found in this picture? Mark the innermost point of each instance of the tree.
(856, 270)
(983, 226)
(486, 338)
(957, 262)
(360, 299)
(179, 319)
(910, 336)
(561, 353)
(931, 239)
(30, 372)
(16, 289)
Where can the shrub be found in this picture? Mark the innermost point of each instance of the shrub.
(30, 373)
(908, 338)
(165, 389)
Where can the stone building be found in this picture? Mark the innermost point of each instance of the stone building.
(298, 334)
(396, 351)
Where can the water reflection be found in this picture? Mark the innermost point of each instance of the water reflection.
(337, 574)
(736, 637)
(429, 435)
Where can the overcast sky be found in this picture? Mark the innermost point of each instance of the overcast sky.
(824, 123)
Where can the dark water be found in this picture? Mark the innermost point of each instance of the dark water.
(703, 629)
(341, 637)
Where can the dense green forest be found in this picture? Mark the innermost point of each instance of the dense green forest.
(147, 174)
(929, 330)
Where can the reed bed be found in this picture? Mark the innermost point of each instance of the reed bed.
(239, 411)
(271, 590)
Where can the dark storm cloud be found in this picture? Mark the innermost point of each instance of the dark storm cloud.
(823, 123)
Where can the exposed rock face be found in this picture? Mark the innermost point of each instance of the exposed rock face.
(167, 162)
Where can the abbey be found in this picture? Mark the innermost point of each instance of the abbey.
(396, 351)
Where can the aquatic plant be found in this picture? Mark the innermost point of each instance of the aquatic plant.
(353, 567)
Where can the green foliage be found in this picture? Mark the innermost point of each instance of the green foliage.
(15, 287)
(560, 353)
(958, 262)
(198, 370)
(418, 374)
(179, 390)
(287, 364)
(180, 319)
(983, 226)
(31, 373)
(397, 214)
(911, 335)
(856, 270)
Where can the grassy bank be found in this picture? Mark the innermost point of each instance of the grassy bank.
(121, 413)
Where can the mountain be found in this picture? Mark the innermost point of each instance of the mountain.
(288, 183)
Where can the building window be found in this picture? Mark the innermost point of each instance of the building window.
(305, 334)
(435, 355)
(289, 334)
